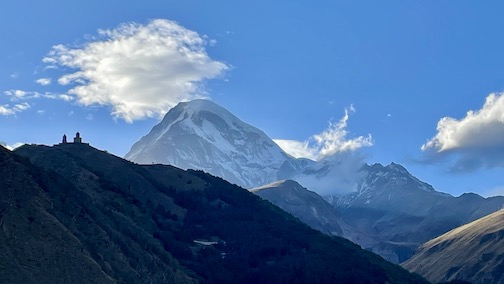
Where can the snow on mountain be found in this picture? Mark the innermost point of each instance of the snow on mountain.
(202, 135)
(381, 185)
(391, 205)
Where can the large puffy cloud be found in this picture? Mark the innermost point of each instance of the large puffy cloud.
(334, 140)
(475, 141)
(138, 70)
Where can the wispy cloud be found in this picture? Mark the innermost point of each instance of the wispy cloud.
(43, 81)
(475, 141)
(7, 110)
(297, 149)
(17, 95)
(138, 70)
(334, 140)
(337, 174)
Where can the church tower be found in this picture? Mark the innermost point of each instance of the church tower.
(77, 138)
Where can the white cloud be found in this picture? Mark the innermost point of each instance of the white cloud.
(21, 107)
(11, 110)
(16, 95)
(43, 81)
(297, 149)
(138, 70)
(334, 140)
(476, 140)
(65, 97)
(339, 174)
(5, 110)
(14, 75)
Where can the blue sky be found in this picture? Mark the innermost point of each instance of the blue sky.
(289, 68)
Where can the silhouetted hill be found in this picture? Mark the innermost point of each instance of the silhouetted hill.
(74, 214)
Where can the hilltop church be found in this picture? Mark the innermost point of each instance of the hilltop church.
(77, 139)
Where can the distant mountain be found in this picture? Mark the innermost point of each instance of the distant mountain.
(393, 206)
(473, 252)
(382, 185)
(202, 135)
(74, 214)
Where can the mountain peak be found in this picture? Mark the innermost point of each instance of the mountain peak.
(394, 167)
(198, 105)
(397, 167)
(203, 135)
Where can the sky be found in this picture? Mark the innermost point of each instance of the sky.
(413, 82)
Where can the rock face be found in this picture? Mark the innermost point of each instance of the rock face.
(74, 214)
(473, 252)
(202, 135)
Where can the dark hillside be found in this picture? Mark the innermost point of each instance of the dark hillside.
(159, 224)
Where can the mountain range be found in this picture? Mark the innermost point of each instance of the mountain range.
(73, 214)
(403, 212)
(384, 208)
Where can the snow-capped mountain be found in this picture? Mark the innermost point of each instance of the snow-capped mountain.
(395, 207)
(382, 185)
(202, 135)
